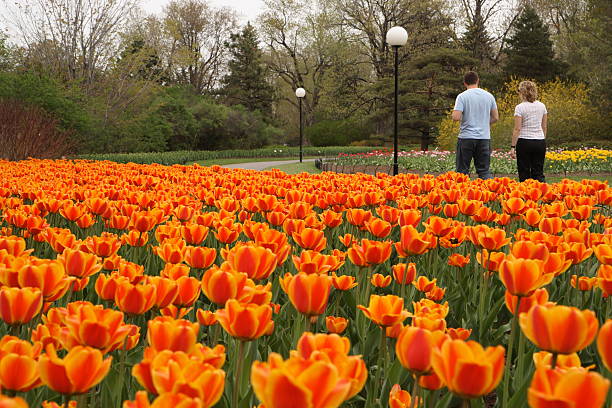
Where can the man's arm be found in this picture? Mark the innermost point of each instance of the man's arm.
(457, 115)
(494, 115)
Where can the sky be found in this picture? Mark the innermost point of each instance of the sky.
(247, 9)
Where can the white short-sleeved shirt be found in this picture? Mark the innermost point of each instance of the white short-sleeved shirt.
(532, 113)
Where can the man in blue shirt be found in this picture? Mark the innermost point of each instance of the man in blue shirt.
(476, 109)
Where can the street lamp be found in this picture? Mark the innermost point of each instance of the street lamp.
(301, 93)
(396, 37)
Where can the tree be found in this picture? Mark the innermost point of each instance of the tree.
(530, 51)
(72, 39)
(197, 34)
(477, 40)
(247, 83)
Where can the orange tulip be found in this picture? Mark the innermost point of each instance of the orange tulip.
(430, 382)
(96, 327)
(604, 344)
(165, 333)
(386, 310)
(439, 226)
(310, 238)
(135, 238)
(106, 286)
(583, 283)
(538, 297)
(380, 281)
(436, 293)
(200, 257)
(404, 274)
(16, 402)
(221, 284)
(206, 317)
(194, 234)
(564, 361)
(19, 306)
(532, 217)
(316, 262)
(308, 293)
(79, 264)
(411, 242)
(171, 251)
(491, 239)
(410, 217)
(255, 261)
(15, 246)
(104, 245)
(415, 346)
(379, 228)
(467, 369)
(369, 252)
(559, 329)
(604, 276)
(492, 260)
(80, 370)
(459, 333)
(399, 398)
(48, 276)
(336, 324)
(574, 387)
(343, 282)
(603, 253)
(135, 299)
(245, 321)
(458, 260)
(298, 382)
(196, 375)
(423, 284)
(169, 399)
(523, 276)
(166, 290)
(18, 364)
(189, 289)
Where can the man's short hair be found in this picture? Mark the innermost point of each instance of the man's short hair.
(471, 78)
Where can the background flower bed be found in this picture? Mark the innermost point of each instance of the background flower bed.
(590, 161)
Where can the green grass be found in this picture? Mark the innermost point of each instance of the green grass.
(295, 168)
(223, 162)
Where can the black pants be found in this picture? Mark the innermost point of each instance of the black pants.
(530, 155)
(477, 149)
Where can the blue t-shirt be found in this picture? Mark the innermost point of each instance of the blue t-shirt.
(476, 105)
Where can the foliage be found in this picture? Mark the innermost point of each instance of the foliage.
(186, 157)
(530, 51)
(587, 160)
(572, 118)
(248, 82)
(27, 131)
(337, 132)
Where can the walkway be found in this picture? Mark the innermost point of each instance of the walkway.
(262, 165)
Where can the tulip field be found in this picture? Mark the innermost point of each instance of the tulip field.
(142, 285)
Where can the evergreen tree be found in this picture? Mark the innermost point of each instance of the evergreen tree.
(247, 82)
(530, 53)
(477, 41)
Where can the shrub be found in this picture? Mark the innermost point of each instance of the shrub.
(28, 131)
(336, 132)
(571, 116)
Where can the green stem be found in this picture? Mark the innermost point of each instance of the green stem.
(415, 393)
(381, 351)
(466, 403)
(81, 400)
(521, 360)
(237, 380)
(553, 363)
(510, 350)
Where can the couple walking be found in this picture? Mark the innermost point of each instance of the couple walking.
(476, 110)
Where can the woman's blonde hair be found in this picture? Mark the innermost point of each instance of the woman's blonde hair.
(528, 91)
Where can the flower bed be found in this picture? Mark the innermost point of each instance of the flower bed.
(135, 286)
(585, 161)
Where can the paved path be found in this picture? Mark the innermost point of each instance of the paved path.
(262, 165)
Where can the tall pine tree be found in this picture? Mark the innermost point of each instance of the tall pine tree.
(247, 82)
(477, 41)
(530, 53)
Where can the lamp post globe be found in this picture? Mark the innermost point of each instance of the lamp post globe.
(301, 93)
(396, 38)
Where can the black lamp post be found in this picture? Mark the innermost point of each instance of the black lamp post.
(396, 37)
(301, 93)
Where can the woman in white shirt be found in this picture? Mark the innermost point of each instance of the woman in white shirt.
(529, 135)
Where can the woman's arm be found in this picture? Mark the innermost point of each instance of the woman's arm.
(518, 123)
(545, 124)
